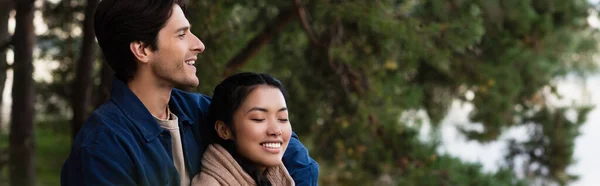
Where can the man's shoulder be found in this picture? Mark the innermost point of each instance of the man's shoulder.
(104, 126)
(108, 116)
(103, 146)
(191, 103)
(181, 96)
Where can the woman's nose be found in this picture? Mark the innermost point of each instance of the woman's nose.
(274, 129)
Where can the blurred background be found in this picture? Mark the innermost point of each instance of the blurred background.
(382, 92)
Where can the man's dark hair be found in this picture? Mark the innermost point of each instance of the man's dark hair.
(120, 22)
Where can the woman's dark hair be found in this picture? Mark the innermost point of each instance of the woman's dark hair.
(228, 96)
(117, 23)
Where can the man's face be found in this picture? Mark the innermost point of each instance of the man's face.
(173, 61)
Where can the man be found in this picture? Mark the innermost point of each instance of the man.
(149, 133)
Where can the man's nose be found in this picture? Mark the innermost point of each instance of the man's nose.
(197, 45)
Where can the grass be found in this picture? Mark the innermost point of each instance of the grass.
(53, 143)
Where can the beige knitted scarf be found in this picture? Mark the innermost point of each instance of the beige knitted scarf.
(220, 165)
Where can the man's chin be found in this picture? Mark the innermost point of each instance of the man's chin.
(187, 85)
(194, 83)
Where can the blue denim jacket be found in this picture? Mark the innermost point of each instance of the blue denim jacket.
(122, 144)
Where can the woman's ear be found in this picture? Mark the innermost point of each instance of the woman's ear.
(140, 51)
(222, 130)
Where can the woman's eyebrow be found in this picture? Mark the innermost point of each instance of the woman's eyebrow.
(257, 109)
(265, 110)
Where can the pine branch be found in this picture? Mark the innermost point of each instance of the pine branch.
(305, 26)
(259, 41)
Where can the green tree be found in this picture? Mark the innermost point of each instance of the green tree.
(354, 67)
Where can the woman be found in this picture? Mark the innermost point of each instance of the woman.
(250, 133)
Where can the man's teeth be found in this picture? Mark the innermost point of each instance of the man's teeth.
(272, 145)
(190, 62)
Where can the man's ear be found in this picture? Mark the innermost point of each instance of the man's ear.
(222, 130)
(140, 51)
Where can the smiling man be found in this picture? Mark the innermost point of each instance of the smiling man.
(149, 133)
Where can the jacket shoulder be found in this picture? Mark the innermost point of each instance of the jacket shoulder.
(181, 96)
(105, 124)
(193, 104)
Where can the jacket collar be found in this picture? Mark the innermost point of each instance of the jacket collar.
(133, 108)
(176, 108)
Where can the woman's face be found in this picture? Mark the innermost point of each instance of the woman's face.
(261, 127)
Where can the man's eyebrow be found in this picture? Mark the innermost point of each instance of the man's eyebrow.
(183, 28)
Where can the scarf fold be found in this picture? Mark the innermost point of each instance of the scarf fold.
(218, 164)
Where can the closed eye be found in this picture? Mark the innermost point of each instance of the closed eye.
(283, 120)
(258, 120)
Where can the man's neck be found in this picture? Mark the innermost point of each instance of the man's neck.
(153, 93)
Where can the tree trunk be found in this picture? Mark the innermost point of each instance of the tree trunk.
(4, 39)
(82, 84)
(21, 145)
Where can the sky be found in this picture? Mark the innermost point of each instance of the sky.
(491, 155)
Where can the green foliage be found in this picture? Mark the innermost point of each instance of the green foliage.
(370, 62)
(377, 60)
(549, 149)
(61, 44)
